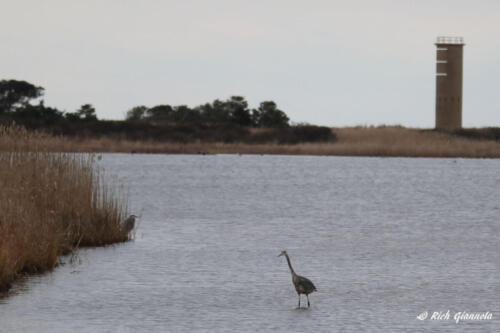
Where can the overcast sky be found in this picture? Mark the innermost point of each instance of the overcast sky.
(336, 63)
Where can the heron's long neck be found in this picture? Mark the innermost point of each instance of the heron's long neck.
(289, 264)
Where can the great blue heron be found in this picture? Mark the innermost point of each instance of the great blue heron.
(129, 223)
(302, 284)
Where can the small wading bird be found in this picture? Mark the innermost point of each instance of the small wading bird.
(129, 223)
(302, 284)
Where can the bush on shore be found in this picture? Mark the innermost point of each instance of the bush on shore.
(50, 203)
(145, 130)
(487, 133)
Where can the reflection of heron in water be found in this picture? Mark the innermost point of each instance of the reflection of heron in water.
(129, 223)
(302, 284)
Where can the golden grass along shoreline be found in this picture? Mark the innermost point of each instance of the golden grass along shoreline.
(50, 203)
(384, 141)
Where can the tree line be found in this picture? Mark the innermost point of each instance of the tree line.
(234, 110)
(16, 99)
(227, 120)
(17, 96)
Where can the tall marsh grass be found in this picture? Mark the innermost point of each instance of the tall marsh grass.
(50, 203)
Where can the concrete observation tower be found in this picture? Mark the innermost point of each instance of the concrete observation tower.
(449, 77)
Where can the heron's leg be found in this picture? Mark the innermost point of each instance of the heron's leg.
(308, 305)
(299, 300)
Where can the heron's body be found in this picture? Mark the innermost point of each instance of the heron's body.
(302, 284)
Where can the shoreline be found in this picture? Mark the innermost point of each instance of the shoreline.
(384, 141)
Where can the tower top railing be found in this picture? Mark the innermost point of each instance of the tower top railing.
(449, 40)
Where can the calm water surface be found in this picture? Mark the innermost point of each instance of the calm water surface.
(382, 239)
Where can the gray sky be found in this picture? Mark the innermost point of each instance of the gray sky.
(336, 63)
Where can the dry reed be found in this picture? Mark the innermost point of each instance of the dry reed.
(351, 141)
(50, 203)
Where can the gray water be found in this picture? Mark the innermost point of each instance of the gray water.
(382, 239)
